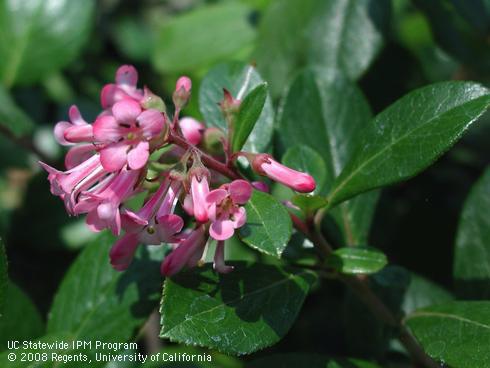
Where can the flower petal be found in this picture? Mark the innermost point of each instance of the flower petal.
(75, 116)
(168, 226)
(240, 191)
(106, 129)
(239, 217)
(114, 156)
(216, 196)
(221, 229)
(151, 122)
(122, 252)
(78, 154)
(138, 156)
(59, 132)
(127, 75)
(126, 111)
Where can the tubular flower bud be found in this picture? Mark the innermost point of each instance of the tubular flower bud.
(264, 164)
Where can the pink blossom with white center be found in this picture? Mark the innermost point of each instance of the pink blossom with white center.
(124, 89)
(126, 135)
(224, 208)
(187, 253)
(69, 184)
(75, 131)
(102, 204)
(192, 130)
(154, 223)
(264, 164)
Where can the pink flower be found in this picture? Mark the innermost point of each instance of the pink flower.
(75, 131)
(192, 130)
(125, 87)
(187, 253)
(264, 164)
(69, 184)
(224, 211)
(127, 133)
(102, 204)
(154, 223)
(195, 202)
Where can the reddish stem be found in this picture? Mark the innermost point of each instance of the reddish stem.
(209, 161)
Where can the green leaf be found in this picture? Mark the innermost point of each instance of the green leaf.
(202, 36)
(3, 278)
(41, 36)
(343, 35)
(241, 312)
(472, 253)
(248, 114)
(309, 203)
(95, 301)
(306, 159)
(13, 118)
(294, 360)
(268, 228)
(335, 112)
(239, 79)
(410, 135)
(357, 260)
(455, 333)
(21, 320)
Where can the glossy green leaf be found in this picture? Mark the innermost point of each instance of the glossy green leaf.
(241, 312)
(12, 118)
(3, 278)
(240, 79)
(268, 226)
(327, 112)
(306, 159)
(472, 253)
(41, 36)
(295, 360)
(202, 36)
(95, 301)
(455, 333)
(345, 35)
(410, 135)
(309, 203)
(21, 320)
(357, 260)
(248, 114)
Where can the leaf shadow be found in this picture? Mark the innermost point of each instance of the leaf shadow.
(244, 291)
(144, 274)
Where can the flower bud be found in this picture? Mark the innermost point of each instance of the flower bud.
(213, 140)
(264, 164)
(182, 92)
(229, 105)
(152, 101)
(192, 130)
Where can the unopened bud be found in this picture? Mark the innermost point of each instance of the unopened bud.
(264, 164)
(213, 140)
(152, 101)
(182, 92)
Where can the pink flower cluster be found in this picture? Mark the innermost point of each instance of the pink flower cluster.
(110, 161)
